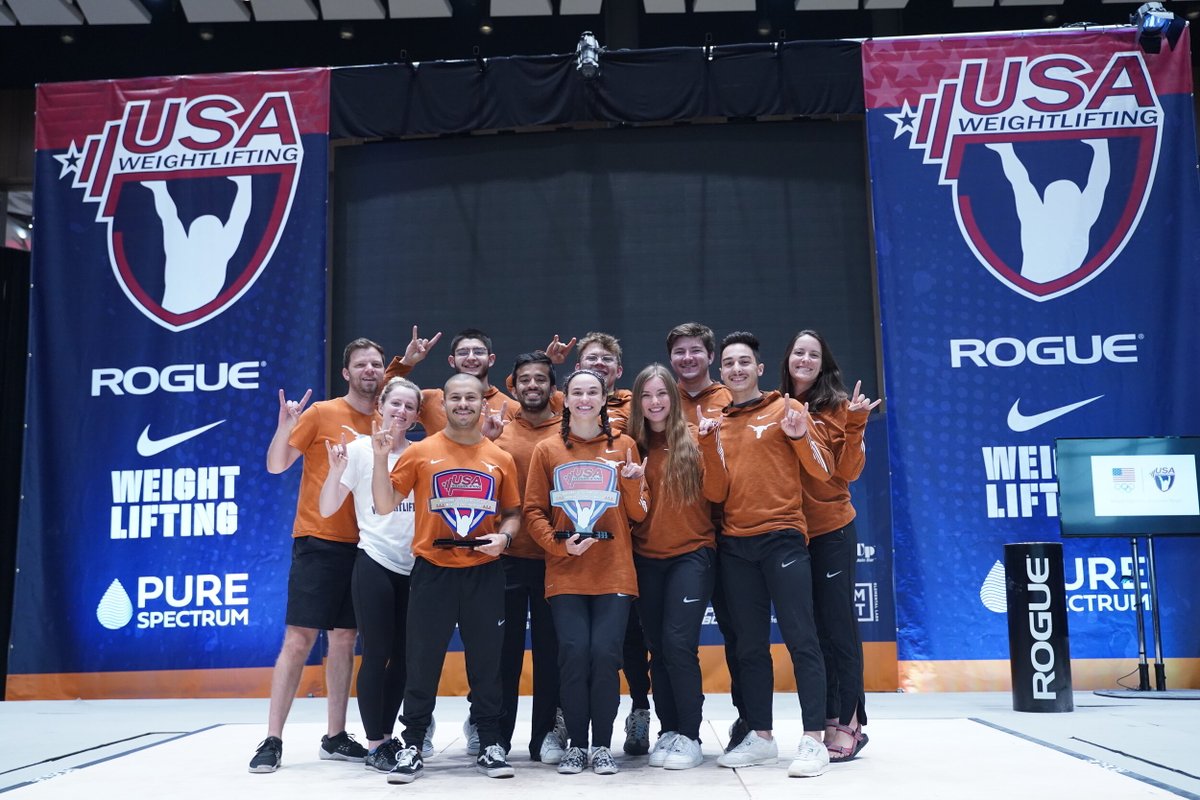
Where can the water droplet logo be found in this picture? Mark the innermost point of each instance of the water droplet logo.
(992, 591)
(115, 608)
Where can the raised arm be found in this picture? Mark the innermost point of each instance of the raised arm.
(280, 454)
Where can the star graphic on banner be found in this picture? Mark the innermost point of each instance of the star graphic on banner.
(905, 119)
(69, 161)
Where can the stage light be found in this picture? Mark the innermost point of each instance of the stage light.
(1154, 23)
(346, 32)
(587, 56)
(486, 28)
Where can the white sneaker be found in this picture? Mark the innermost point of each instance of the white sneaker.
(427, 751)
(811, 759)
(573, 762)
(471, 736)
(552, 748)
(751, 751)
(685, 754)
(661, 748)
(603, 762)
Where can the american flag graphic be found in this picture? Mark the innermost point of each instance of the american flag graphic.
(1122, 475)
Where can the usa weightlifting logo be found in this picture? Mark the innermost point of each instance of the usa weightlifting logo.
(584, 490)
(464, 498)
(1050, 161)
(195, 194)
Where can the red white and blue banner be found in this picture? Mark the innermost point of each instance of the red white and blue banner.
(1036, 205)
(178, 282)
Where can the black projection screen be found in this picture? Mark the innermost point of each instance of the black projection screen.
(755, 226)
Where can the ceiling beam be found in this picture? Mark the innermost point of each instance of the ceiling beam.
(45, 12)
(285, 10)
(216, 10)
(416, 9)
(114, 12)
(353, 9)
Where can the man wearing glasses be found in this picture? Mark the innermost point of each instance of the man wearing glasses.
(470, 354)
(601, 353)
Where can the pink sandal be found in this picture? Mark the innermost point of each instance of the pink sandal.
(839, 754)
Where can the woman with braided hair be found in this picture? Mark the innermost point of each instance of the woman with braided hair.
(584, 488)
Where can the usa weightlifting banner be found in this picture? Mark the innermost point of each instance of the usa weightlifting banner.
(1036, 200)
(178, 282)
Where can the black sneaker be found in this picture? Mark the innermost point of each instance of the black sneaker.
(341, 747)
(268, 756)
(737, 732)
(383, 758)
(491, 762)
(409, 766)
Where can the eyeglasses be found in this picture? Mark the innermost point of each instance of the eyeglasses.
(598, 359)
(478, 352)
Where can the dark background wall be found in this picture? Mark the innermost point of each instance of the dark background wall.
(759, 226)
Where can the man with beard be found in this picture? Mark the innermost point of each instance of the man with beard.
(323, 554)
(470, 354)
(467, 508)
(524, 563)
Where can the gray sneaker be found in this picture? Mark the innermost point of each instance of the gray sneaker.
(573, 762)
(471, 736)
(603, 762)
(751, 751)
(427, 750)
(637, 732)
(383, 758)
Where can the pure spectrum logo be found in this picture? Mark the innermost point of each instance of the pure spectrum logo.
(177, 601)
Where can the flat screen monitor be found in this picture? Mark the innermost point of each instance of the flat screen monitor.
(1128, 486)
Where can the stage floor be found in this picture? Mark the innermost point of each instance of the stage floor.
(924, 746)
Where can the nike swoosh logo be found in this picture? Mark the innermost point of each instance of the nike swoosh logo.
(1020, 422)
(712, 409)
(499, 623)
(763, 416)
(833, 574)
(787, 564)
(691, 599)
(612, 451)
(147, 447)
(436, 460)
(622, 595)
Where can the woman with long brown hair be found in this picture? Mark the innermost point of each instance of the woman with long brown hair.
(810, 374)
(674, 554)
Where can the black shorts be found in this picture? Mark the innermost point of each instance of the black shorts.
(319, 584)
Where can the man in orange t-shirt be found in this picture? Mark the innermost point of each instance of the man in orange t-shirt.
(323, 553)
(462, 484)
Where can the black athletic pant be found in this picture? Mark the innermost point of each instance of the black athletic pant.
(439, 597)
(673, 596)
(525, 600)
(834, 556)
(635, 661)
(590, 631)
(381, 608)
(729, 636)
(758, 571)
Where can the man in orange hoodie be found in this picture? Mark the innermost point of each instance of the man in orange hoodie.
(761, 444)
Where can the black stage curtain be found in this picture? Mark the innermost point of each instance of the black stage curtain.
(819, 78)
(760, 226)
(14, 338)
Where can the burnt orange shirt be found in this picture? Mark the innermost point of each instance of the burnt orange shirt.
(458, 492)
(607, 566)
(712, 400)
(762, 465)
(518, 440)
(827, 503)
(433, 409)
(324, 421)
(671, 529)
